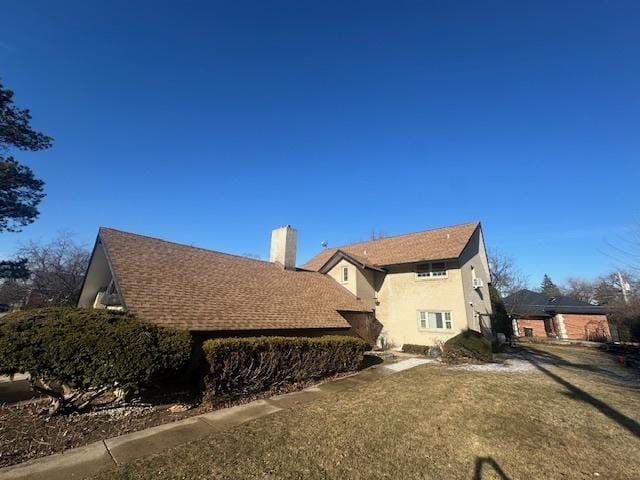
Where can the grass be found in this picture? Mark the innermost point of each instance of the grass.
(575, 417)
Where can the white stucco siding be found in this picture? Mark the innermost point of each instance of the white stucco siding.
(474, 263)
(360, 281)
(98, 277)
(402, 296)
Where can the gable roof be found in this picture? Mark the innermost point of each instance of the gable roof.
(204, 290)
(527, 302)
(436, 244)
(353, 259)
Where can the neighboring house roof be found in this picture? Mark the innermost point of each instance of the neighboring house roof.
(438, 244)
(204, 290)
(528, 303)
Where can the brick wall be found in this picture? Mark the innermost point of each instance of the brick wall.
(537, 324)
(586, 327)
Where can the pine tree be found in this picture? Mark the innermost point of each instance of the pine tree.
(548, 288)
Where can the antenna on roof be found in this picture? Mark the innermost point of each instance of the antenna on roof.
(324, 244)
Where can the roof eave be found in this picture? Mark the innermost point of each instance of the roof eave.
(341, 254)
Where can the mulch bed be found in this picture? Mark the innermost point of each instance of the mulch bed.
(26, 434)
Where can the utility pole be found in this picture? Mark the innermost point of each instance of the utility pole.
(624, 287)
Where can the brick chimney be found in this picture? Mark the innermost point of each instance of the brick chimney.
(283, 246)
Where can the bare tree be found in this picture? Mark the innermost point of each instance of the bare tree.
(580, 289)
(506, 277)
(57, 271)
(376, 234)
(617, 287)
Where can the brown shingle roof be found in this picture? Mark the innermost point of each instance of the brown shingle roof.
(437, 244)
(196, 289)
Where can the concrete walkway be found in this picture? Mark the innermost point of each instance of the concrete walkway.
(86, 461)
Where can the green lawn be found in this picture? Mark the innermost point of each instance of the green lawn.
(575, 417)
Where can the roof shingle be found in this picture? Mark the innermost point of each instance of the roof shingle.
(204, 290)
(527, 302)
(437, 244)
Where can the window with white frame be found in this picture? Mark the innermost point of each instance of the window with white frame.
(431, 270)
(434, 320)
(345, 274)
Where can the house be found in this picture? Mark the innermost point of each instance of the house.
(417, 288)
(535, 315)
(423, 287)
(216, 294)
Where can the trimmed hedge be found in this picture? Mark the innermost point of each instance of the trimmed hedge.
(424, 350)
(415, 349)
(84, 349)
(244, 366)
(467, 346)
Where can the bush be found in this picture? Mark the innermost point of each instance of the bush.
(415, 349)
(427, 351)
(76, 354)
(243, 366)
(467, 346)
(500, 321)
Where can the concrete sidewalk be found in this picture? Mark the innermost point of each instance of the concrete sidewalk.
(86, 461)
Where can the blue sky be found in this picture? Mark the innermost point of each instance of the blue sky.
(211, 123)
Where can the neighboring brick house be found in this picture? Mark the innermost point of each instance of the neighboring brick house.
(424, 287)
(535, 315)
(417, 288)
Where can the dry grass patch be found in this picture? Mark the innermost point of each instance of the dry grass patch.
(576, 417)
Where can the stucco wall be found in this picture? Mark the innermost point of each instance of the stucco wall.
(474, 261)
(336, 274)
(398, 296)
(98, 277)
(361, 281)
(402, 296)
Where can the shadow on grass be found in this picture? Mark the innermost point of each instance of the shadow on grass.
(577, 393)
(552, 359)
(370, 361)
(482, 461)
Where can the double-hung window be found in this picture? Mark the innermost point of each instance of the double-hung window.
(434, 320)
(431, 270)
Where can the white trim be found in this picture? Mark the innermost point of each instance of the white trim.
(425, 320)
(344, 275)
(423, 274)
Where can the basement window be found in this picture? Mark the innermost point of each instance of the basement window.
(431, 270)
(434, 320)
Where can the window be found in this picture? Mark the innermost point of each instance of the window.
(431, 270)
(438, 270)
(435, 320)
(345, 274)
